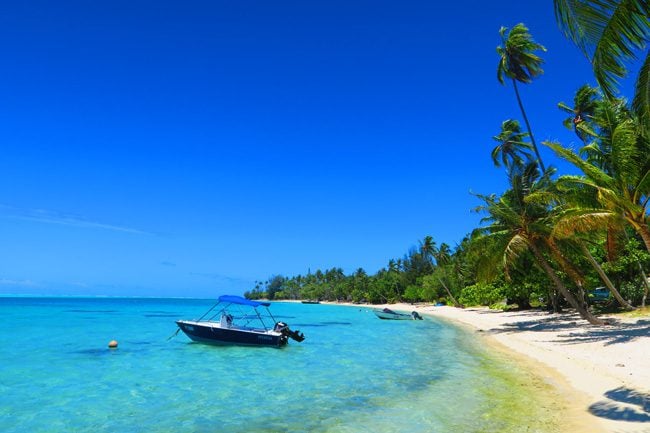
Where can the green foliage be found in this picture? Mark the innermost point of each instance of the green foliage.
(412, 293)
(431, 289)
(632, 291)
(484, 294)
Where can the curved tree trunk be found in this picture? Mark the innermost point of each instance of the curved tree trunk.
(605, 278)
(456, 303)
(644, 232)
(584, 312)
(530, 131)
(570, 269)
(612, 243)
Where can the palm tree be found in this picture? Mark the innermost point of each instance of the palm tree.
(511, 149)
(518, 225)
(622, 192)
(615, 187)
(610, 34)
(594, 120)
(564, 202)
(519, 63)
(581, 115)
(428, 248)
(443, 256)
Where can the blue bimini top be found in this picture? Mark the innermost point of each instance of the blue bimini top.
(242, 301)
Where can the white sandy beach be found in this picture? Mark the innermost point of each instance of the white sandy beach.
(602, 370)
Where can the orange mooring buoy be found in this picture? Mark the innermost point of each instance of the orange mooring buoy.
(112, 344)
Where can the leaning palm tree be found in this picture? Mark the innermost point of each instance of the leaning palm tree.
(594, 120)
(611, 33)
(620, 180)
(565, 203)
(512, 148)
(622, 192)
(519, 63)
(517, 225)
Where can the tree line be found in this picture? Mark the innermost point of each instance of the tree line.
(550, 238)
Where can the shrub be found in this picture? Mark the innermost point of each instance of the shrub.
(481, 294)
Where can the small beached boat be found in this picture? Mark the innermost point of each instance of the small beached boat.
(240, 322)
(388, 314)
(310, 301)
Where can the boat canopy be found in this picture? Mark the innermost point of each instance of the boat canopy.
(242, 301)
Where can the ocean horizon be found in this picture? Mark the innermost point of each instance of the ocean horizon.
(353, 373)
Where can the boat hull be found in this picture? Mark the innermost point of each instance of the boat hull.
(213, 333)
(392, 315)
(387, 316)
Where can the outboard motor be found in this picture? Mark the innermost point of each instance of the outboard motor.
(286, 332)
(416, 316)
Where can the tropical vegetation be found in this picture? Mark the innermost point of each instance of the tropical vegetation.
(550, 239)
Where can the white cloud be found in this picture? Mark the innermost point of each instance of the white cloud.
(54, 217)
(24, 283)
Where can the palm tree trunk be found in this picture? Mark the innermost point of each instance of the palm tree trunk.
(530, 131)
(612, 243)
(584, 312)
(456, 303)
(605, 278)
(570, 270)
(644, 231)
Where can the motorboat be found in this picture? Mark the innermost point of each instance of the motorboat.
(238, 321)
(388, 314)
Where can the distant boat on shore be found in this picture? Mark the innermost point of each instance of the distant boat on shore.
(308, 301)
(388, 314)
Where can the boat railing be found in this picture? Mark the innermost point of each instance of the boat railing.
(243, 317)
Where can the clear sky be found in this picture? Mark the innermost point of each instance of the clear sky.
(190, 148)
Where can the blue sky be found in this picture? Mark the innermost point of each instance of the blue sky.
(190, 148)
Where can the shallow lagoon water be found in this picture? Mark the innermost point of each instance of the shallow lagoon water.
(353, 373)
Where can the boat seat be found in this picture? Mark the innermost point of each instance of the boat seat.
(226, 321)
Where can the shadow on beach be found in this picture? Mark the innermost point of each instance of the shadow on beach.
(616, 332)
(623, 404)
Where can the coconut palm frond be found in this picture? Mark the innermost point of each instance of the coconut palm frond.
(590, 151)
(517, 245)
(544, 198)
(641, 102)
(613, 200)
(643, 188)
(589, 170)
(569, 17)
(584, 130)
(564, 107)
(609, 33)
(584, 221)
(627, 162)
(624, 31)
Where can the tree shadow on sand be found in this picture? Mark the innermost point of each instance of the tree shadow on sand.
(616, 332)
(623, 404)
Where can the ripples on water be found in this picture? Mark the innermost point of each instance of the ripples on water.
(353, 373)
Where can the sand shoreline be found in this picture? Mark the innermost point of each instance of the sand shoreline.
(602, 371)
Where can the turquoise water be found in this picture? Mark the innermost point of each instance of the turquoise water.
(353, 373)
